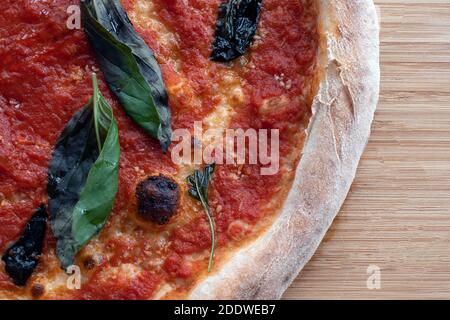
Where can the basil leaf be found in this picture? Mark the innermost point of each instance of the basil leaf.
(83, 176)
(198, 189)
(129, 66)
(235, 29)
(23, 256)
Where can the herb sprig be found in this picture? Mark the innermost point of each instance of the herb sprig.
(199, 183)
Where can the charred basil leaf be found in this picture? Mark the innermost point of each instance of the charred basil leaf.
(235, 29)
(129, 66)
(23, 256)
(198, 189)
(83, 176)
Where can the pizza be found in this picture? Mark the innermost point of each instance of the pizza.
(126, 134)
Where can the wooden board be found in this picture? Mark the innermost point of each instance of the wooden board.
(397, 215)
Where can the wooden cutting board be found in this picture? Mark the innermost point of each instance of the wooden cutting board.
(397, 215)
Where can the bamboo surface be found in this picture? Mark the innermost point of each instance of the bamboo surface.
(397, 214)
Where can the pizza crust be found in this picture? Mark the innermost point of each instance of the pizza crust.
(343, 111)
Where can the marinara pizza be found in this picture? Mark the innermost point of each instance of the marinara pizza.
(98, 97)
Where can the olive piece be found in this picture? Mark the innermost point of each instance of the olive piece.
(157, 199)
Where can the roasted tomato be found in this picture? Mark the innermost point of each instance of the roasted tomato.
(157, 199)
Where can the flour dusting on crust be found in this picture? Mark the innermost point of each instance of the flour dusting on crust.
(343, 111)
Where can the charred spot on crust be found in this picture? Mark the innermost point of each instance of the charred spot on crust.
(89, 263)
(157, 199)
(37, 290)
(92, 261)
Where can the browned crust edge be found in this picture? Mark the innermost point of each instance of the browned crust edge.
(343, 111)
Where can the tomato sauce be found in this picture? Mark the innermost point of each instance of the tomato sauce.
(287, 51)
(45, 78)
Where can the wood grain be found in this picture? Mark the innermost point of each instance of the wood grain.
(397, 215)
